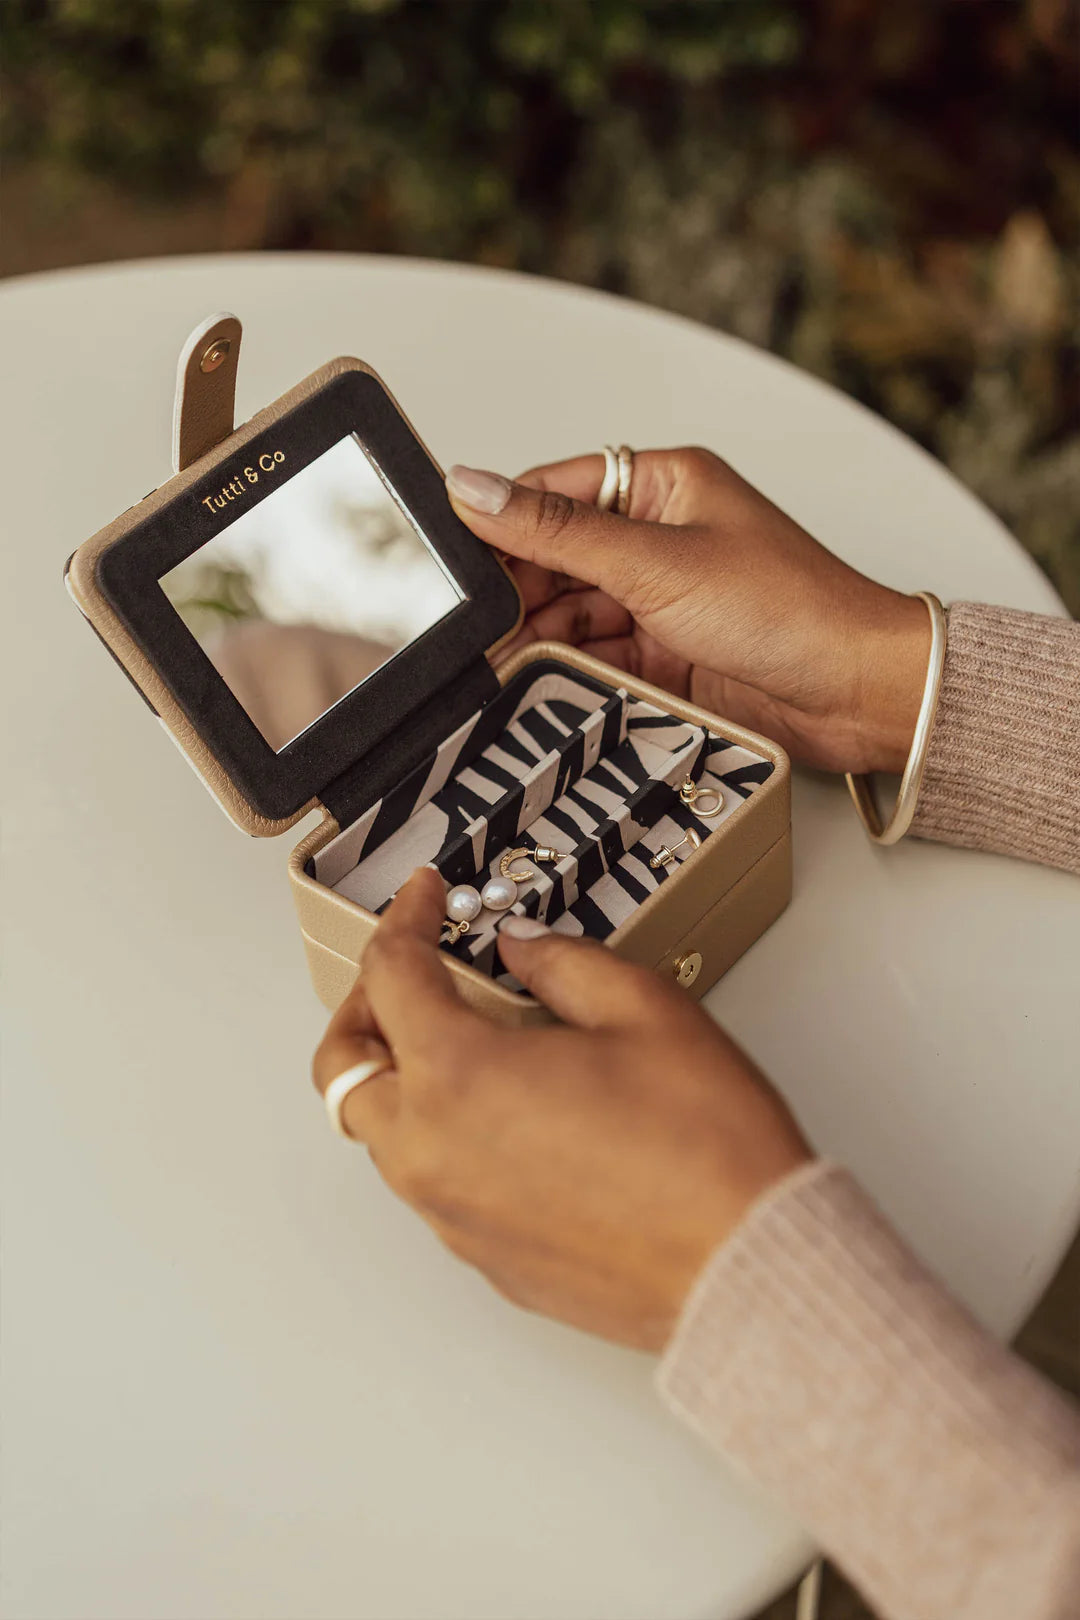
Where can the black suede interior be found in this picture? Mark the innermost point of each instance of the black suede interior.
(278, 784)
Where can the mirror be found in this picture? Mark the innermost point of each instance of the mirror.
(305, 595)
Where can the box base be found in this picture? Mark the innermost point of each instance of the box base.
(719, 938)
(693, 920)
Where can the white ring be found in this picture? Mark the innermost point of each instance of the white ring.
(624, 462)
(609, 489)
(344, 1084)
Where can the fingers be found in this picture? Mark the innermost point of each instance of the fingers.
(580, 478)
(655, 472)
(344, 1048)
(406, 982)
(352, 1038)
(371, 1107)
(539, 585)
(577, 617)
(561, 534)
(581, 981)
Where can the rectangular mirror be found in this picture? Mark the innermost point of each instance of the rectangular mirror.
(305, 595)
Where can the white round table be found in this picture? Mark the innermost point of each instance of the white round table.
(241, 1381)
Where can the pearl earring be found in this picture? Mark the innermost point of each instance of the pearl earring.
(464, 904)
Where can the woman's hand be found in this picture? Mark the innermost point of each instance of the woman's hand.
(711, 592)
(587, 1170)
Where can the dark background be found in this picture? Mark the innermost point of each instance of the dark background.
(887, 192)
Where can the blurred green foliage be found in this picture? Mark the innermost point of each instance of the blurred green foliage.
(450, 126)
(888, 194)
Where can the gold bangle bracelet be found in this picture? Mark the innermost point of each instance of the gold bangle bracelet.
(862, 787)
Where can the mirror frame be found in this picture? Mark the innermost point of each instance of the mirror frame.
(129, 571)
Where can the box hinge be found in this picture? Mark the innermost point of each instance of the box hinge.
(372, 777)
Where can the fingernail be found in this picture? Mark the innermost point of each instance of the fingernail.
(523, 927)
(483, 491)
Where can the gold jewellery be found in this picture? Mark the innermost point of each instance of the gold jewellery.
(464, 903)
(861, 788)
(618, 475)
(663, 856)
(690, 794)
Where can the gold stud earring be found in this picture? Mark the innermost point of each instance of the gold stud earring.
(663, 856)
(690, 795)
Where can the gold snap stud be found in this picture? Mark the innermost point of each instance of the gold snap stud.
(687, 968)
(215, 354)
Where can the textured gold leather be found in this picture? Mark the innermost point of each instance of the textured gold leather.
(83, 586)
(203, 412)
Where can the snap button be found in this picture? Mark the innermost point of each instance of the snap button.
(215, 354)
(686, 968)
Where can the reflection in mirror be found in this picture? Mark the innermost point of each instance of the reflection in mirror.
(307, 594)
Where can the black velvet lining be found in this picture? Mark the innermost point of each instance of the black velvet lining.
(373, 777)
(278, 784)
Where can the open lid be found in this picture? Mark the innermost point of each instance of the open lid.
(300, 606)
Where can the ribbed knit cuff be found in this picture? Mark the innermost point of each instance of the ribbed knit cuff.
(825, 1362)
(1003, 768)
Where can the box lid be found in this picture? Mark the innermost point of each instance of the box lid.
(397, 642)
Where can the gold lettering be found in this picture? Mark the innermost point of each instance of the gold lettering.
(269, 461)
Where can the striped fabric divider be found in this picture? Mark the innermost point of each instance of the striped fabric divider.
(553, 761)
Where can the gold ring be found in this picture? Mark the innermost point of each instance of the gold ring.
(343, 1085)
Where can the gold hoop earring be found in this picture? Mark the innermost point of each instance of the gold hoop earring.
(542, 852)
(499, 893)
(663, 856)
(690, 794)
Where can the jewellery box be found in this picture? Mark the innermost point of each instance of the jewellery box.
(316, 629)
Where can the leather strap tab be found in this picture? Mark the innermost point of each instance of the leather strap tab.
(205, 388)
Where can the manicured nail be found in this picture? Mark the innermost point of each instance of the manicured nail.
(523, 927)
(483, 491)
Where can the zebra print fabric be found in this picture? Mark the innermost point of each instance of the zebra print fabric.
(559, 759)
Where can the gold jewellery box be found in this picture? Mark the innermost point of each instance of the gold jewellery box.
(307, 616)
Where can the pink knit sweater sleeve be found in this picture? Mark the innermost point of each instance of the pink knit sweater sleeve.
(816, 1352)
(1003, 768)
(824, 1361)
